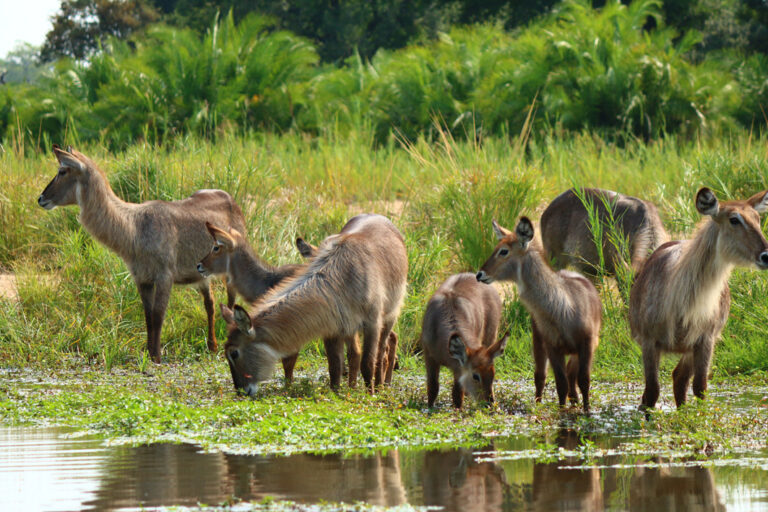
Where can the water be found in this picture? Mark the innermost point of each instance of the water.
(44, 469)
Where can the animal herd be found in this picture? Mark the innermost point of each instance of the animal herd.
(354, 282)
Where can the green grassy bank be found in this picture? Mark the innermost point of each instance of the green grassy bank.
(76, 298)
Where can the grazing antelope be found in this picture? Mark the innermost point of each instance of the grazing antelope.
(250, 276)
(389, 356)
(565, 310)
(160, 241)
(680, 299)
(459, 331)
(569, 240)
(355, 282)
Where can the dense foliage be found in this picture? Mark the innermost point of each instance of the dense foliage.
(575, 69)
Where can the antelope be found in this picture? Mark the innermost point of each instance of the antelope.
(389, 363)
(250, 276)
(569, 240)
(159, 241)
(565, 310)
(355, 282)
(459, 331)
(680, 299)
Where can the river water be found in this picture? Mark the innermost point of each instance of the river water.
(46, 469)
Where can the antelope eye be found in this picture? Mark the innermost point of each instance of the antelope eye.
(62, 171)
(234, 354)
(503, 252)
(216, 248)
(476, 377)
(735, 221)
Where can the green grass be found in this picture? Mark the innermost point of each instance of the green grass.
(79, 328)
(78, 298)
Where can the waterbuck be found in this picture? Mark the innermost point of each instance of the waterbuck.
(160, 241)
(569, 240)
(459, 331)
(565, 310)
(389, 356)
(680, 299)
(355, 282)
(249, 275)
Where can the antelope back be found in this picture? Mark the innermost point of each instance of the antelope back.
(567, 235)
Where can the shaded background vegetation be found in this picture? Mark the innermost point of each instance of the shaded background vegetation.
(120, 72)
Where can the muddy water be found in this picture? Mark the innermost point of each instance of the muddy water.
(44, 469)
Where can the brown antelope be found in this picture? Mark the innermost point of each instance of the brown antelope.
(680, 299)
(250, 276)
(160, 241)
(355, 282)
(389, 356)
(569, 240)
(459, 331)
(565, 310)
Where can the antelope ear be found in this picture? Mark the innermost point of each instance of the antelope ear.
(706, 202)
(524, 231)
(220, 236)
(500, 231)
(305, 249)
(67, 159)
(497, 348)
(243, 320)
(227, 315)
(457, 350)
(759, 201)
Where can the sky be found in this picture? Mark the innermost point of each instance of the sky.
(24, 20)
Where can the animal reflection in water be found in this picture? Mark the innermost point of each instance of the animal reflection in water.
(665, 488)
(457, 480)
(181, 475)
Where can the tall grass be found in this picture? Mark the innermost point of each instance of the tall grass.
(78, 302)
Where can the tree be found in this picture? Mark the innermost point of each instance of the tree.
(82, 25)
(21, 65)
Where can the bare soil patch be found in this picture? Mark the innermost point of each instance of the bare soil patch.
(8, 288)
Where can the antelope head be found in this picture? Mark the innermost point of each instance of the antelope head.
(740, 238)
(250, 359)
(218, 260)
(477, 371)
(504, 263)
(64, 188)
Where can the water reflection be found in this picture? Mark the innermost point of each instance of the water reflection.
(455, 481)
(655, 489)
(555, 488)
(41, 470)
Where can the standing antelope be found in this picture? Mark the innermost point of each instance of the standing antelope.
(568, 238)
(355, 282)
(565, 310)
(160, 241)
(680, 299)
(459, 331)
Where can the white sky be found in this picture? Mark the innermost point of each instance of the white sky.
(24, 20)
